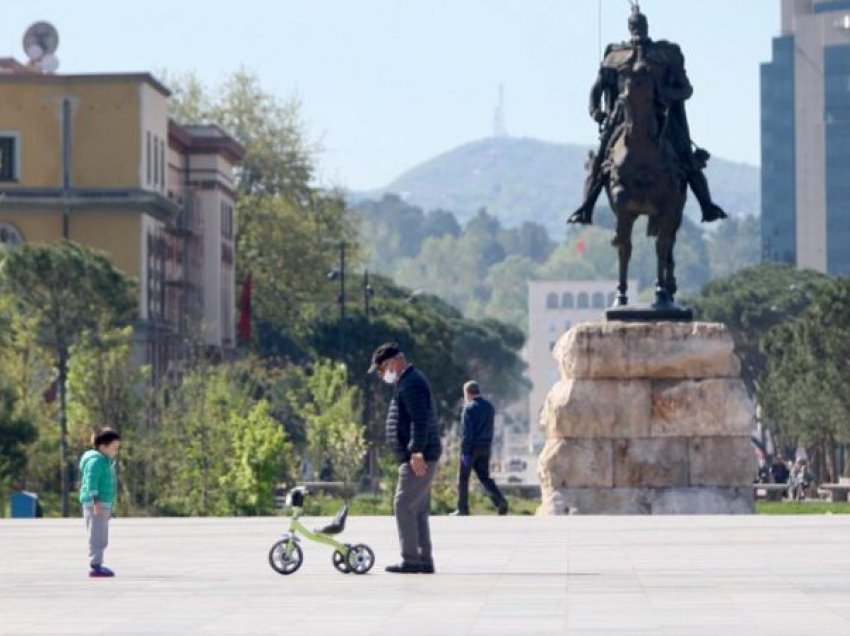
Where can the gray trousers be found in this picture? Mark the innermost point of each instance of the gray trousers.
(412, 505)
(98, 531)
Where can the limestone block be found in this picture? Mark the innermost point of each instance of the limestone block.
(700, 408)
(651, 462)
(598, 408)
(595, 501)
(578, 462)
(703, 501)
(721, 461)
(643, 501)
(619, 350)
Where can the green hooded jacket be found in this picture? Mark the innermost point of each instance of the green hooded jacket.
(97, 481)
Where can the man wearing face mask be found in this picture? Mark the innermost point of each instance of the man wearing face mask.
(412, 433)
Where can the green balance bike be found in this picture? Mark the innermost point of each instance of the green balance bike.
(286, 555)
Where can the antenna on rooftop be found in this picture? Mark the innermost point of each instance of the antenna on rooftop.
(40, 43)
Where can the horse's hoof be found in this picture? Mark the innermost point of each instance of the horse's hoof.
(622, 301)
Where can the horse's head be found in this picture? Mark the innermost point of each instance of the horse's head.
(639, 97)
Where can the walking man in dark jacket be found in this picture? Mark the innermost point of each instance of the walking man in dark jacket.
(412, 433)
(476, 439)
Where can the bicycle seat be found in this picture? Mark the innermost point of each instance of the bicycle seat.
(337, 525)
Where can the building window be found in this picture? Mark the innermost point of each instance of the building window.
(226, 220)
(9, 147)
(598, 300)
(156, 161)
(552, 301)
(162, 163)
(583, 300)
(567, 300)
(149, 158)
(10, 236)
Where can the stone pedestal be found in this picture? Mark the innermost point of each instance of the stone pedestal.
(648, 418)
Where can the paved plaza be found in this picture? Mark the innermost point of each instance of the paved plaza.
(496, 575)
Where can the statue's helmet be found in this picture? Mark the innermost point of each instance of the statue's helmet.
(638, 24)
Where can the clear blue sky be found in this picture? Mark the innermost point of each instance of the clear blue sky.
(386, 84)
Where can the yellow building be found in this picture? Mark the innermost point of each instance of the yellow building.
(95, 159)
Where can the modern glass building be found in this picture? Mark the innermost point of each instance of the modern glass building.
(805, 138)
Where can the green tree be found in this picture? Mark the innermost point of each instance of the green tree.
(16, 431)
(289, 228)
(805, 392)
(261, 458)
(67, 289)
(335, 436)
(733, 245)
(753, 301)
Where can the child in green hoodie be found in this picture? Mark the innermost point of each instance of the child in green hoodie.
(97, 494)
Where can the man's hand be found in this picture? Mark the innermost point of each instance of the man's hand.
(417, 463)
(96, 508)
(599, 116)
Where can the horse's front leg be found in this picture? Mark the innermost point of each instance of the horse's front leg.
(623, 241)
(663, 255)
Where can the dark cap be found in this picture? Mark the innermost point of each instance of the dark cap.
(383, 353)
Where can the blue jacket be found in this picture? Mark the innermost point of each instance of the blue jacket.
(476, 425)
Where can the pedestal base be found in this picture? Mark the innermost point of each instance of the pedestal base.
(649, 313)
(649, 417)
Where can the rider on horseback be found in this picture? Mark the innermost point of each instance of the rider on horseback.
(667, 65)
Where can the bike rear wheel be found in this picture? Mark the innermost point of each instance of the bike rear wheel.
(361, 558)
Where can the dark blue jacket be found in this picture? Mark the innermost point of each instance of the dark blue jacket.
(476, 425)
(412, 418)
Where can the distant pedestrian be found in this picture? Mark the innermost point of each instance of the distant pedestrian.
(476, 430)
(97, 495)
(800, 480)
(779, 470)
(413, 434)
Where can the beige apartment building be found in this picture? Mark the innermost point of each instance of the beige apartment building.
(96, 159)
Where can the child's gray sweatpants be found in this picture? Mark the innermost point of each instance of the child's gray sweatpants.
(98, 530)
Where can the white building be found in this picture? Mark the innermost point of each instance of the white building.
(553, 308)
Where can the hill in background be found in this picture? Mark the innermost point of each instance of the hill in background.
(522, 179)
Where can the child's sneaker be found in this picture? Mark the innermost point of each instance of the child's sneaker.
(98, 571)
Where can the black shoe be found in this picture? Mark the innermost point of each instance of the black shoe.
(503, 509)
(427, 568)
(712, 212)
(405, 568)
(458, 513)
(582, 216)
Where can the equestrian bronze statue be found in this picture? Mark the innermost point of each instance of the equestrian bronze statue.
(646, 158)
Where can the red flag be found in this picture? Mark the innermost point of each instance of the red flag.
(245, 311)
(581, 246)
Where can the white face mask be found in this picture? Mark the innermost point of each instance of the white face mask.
(390, 377)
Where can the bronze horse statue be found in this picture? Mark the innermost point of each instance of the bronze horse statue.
(644, 176)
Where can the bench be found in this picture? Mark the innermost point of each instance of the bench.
(836, 492)
(770, 492)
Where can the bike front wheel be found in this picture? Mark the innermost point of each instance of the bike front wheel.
(286, 556)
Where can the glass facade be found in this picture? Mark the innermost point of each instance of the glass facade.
(831, 5)
(778, 172)
(837, 133)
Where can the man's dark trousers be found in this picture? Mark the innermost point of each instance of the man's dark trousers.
(480, 463)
